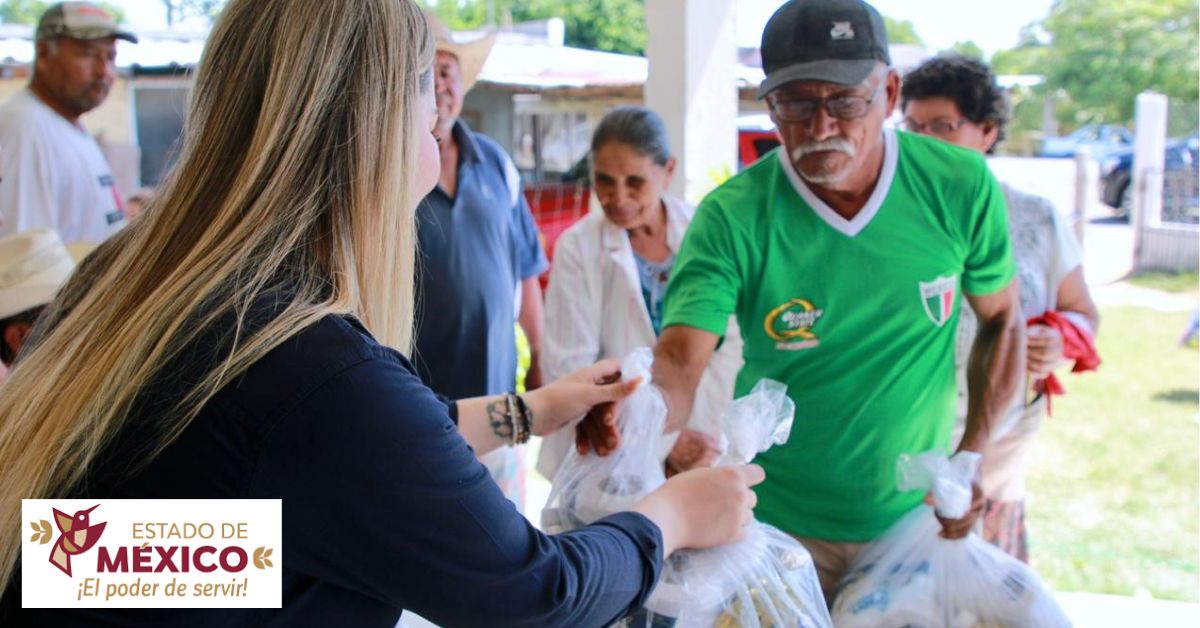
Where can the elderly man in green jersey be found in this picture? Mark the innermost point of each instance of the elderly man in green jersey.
(843, 255)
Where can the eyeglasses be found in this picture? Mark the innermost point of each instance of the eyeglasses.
(937, 128)
(842, 107)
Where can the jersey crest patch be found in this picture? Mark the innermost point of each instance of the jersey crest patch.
(938, 298)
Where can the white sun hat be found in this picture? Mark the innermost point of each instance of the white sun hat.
(33, 265)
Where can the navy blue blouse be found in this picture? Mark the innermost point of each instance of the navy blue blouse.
(384, 505)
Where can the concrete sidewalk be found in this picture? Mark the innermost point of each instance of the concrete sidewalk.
(1093, 609)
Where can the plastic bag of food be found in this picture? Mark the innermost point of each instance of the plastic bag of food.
(765, 579)
(590, 487)
(914, 577)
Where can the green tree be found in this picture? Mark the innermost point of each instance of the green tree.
(609, 25)
(1020, 60)
(457, 16)
(22, 11)
(28, 11)
(968, 49)
(1102, 53)
(180, 10)
(902, 31)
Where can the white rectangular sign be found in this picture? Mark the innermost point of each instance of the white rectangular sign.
(151, 553)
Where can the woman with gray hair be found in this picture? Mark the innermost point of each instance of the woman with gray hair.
(610, 275)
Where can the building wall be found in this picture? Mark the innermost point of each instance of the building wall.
(490, 111)
(1171, 248)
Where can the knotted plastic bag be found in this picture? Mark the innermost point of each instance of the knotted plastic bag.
(765, 579)
(589, 487)
(914, 577)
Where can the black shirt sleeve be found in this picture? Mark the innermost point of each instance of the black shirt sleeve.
(382, 496)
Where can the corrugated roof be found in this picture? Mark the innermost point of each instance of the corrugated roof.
(518, 60)
(154, 48)
(550, 66)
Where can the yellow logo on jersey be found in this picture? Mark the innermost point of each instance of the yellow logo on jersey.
(792, 321)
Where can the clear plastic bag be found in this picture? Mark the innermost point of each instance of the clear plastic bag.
(914, 577)
(591, 487)
(765, 579)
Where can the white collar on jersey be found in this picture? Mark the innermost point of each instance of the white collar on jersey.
(851, 227)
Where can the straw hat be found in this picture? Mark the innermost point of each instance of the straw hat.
(33, 265)
(471, 54)
(80, 249)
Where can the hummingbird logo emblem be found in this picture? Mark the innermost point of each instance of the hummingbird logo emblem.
(76, 536)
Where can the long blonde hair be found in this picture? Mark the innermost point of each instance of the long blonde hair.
(297, 169)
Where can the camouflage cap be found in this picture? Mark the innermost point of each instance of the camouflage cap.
(80, 20)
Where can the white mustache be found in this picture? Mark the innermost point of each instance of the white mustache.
(834, 143)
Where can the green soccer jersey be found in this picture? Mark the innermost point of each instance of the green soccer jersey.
(857, 317)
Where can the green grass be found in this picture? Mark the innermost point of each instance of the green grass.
(1168, 282)
(1113, 478)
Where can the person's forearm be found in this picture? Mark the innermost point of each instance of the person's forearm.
(1075, 301)
(661, 513)
(1090, 316)
(995, 375)
(483, 422)
(678, 389)
(531, 319)
(679, 362)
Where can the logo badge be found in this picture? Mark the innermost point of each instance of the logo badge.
(152, 553)
(841, 30)
(76, 535)
(790, 324)
(938, 298)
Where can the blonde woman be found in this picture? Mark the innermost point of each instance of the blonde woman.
(243, 326)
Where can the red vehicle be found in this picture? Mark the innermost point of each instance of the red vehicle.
(756, 137)
(556, 205)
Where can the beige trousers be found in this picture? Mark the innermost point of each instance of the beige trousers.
(832, 560)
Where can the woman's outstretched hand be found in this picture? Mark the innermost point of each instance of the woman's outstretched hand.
(566, 399)
(703, 507)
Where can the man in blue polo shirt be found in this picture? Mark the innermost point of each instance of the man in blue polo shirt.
(479, 257)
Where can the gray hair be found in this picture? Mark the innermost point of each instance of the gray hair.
(637, 127)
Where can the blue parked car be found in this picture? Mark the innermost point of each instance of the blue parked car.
(1094, 139)
(1180, 179)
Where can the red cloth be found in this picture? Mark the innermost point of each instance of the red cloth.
(1077, 345)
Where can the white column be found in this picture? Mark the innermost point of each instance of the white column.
(692, 85)
(1151, 127)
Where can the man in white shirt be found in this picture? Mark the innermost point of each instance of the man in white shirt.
(53, 174)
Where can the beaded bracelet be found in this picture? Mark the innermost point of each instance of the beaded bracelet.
(514, 429)
(526, 419)
(518, 415)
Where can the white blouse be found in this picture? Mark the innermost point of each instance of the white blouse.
(595, 310)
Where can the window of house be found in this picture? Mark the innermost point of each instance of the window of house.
(158, 114)
(546, 146)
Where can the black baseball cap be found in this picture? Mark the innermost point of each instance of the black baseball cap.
(834, 41)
